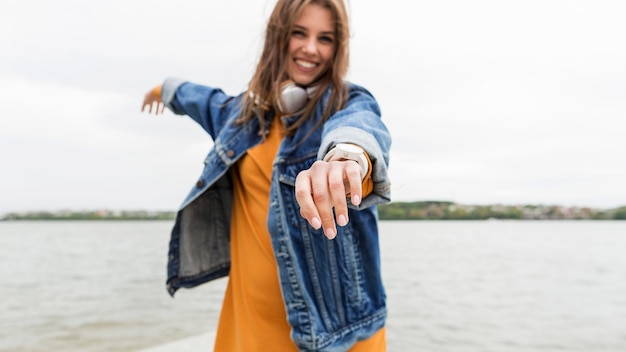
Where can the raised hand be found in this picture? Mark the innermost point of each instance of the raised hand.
(324, 186)
(152, 100)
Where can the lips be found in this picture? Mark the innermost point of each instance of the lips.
(305, 65)
(303, 71)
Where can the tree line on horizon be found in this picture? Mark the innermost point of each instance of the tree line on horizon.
(443, 210)
(421, 210)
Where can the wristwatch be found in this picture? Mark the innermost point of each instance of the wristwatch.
(349, 152)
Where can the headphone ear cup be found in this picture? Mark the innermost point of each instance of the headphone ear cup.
(292, 98)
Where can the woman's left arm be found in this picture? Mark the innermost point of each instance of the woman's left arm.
(324, 186)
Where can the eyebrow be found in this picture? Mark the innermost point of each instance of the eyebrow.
(297, 26)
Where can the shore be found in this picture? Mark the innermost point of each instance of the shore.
(422, 210)
(197, 343)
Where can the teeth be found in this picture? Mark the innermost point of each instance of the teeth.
(305, 64)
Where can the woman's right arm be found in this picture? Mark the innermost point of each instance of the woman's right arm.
(209, 107)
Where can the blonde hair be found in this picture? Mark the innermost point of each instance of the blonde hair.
(265, 85)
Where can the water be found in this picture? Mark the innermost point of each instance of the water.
(506, 286)
(452, 286)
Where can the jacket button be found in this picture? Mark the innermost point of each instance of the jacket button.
(230, 153)
(200, 183)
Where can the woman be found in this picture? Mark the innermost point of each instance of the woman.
(300, 152)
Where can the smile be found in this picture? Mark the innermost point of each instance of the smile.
(305, 64)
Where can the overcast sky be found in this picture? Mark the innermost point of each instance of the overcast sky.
(488, 101)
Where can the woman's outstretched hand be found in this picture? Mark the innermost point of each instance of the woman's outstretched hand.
(153, 100)
(326, 185)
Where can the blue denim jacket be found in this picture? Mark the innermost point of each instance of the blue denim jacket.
(332, 289)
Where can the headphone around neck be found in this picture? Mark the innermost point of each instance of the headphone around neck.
(293, 97)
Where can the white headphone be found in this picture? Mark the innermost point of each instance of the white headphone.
(293, 97)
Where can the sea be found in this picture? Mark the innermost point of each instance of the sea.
(458, 286)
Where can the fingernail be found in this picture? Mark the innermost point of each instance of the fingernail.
(356, 200)
(342, 220)
(316, 223)
(330, 233)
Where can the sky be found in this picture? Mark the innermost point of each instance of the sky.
(509, 102)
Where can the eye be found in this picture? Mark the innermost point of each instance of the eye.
(298, 33)
(327, 39)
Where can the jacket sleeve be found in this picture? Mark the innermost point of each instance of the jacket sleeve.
(360, 123)
(209, 107)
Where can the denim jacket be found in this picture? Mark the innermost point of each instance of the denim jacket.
(332, 289)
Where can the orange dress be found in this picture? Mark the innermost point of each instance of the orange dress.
(253, 316)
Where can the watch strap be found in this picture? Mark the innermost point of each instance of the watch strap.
(344, 151)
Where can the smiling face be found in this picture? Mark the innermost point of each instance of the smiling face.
(311, 45)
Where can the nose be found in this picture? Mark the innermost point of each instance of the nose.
(310, 45)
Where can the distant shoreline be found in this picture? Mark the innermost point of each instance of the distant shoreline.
(422, 210)
(89, 215)
(443, 210)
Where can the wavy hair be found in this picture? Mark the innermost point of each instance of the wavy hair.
(271, 71)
